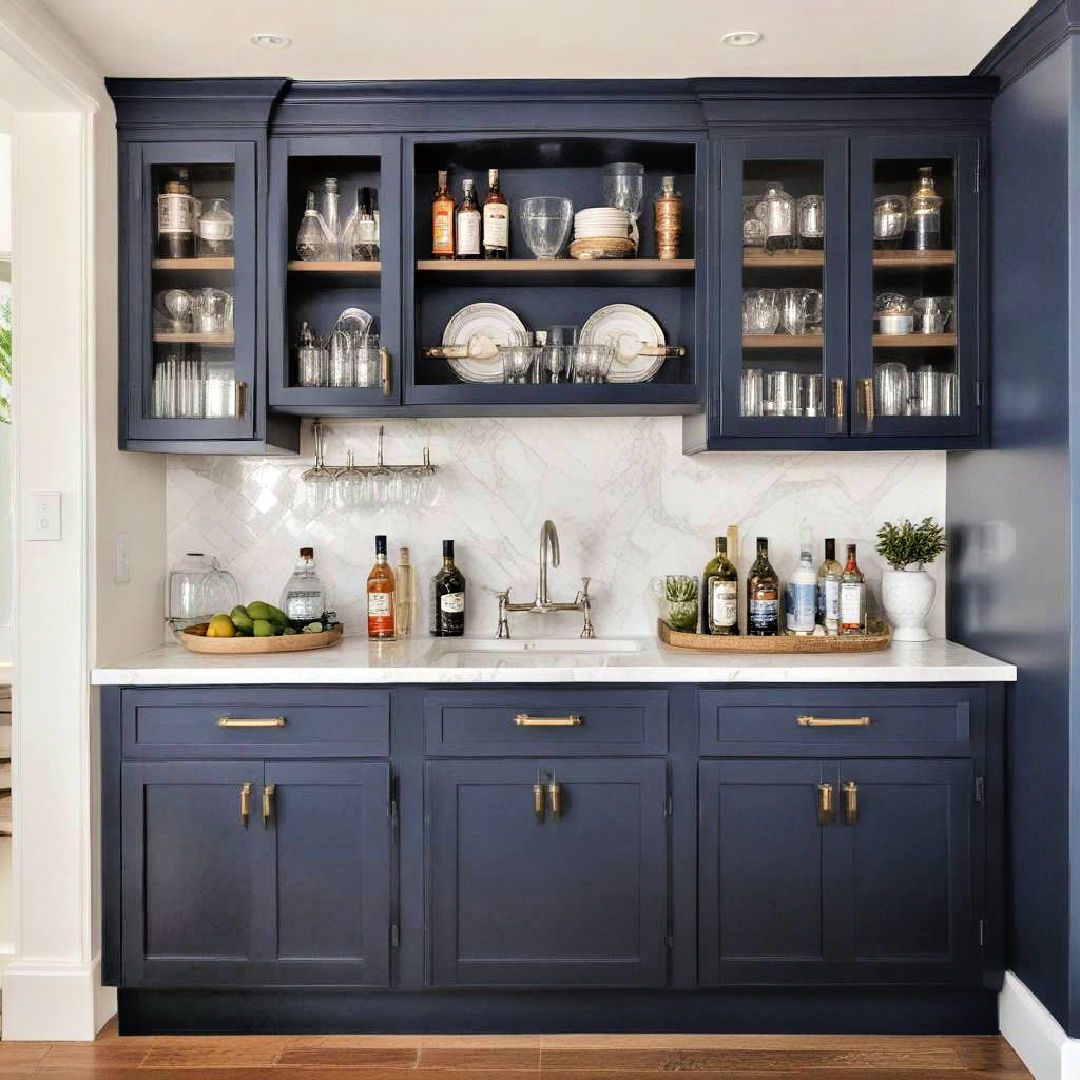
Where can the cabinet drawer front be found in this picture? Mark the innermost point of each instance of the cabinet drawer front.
(912, 721)
(571, 722)
(250, 722)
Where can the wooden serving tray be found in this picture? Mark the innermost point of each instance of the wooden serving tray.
(247, 646)
(878, 638)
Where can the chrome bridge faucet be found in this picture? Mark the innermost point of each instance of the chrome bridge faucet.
(549, 544)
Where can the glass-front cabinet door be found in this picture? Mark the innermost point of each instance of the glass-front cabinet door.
(783, 326)
(334, 274)
(914, 287)
(191, 341)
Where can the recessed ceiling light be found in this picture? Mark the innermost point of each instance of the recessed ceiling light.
(739, 38)
(271, 41)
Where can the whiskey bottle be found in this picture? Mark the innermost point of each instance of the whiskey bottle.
(176, 219)
(448, 597)
(381, 624)
(467, 225)
(496, 220)
(828, 589)
(720, 593)
(852, 598)
(762, 595)
(442, 220)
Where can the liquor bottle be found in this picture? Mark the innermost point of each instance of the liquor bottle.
(448, 597)
(467, 225)
(720, 593)
(404, 593)
(358, 237)
(381, 623)
(496, 220)
(176, 219)
(442, 220)
(215, 229)
(311, 242)
(762, 595)
(852, 598)
(304, 598)
(800, 594)
(377, 219)
(923, 229)
(828, 589)
(667, 216)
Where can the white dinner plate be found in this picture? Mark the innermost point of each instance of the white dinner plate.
(481, 328)
(626, 327)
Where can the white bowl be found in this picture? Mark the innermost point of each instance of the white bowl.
(589, 232)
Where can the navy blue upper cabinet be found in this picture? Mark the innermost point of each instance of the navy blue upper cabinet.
(349, 297)
(566, 893)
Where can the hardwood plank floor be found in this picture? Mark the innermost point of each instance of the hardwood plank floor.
(514, 1057)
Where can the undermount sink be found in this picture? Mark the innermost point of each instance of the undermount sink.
(532, 652)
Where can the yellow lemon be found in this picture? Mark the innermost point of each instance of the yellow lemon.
(221, 626)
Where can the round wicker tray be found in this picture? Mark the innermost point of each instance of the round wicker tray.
(247, 646)
(879, 637)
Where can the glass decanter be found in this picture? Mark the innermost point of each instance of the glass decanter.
(924, 214)
(331, 220)
(215, 229)
(311, 245)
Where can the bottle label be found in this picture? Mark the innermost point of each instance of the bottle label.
(365, 230)
(302, 605)
(764, 612)
(832, 600)
(442, 242)
(800, 602)
(216, 229)
(175, 213)
(724, 603)
(497, 226)
(378, 604)
(851, 603)
(468, 224)
(452, 603)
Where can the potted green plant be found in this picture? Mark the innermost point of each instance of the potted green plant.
(907, 590)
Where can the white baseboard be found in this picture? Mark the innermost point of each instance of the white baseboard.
(53, 1001)
(1035, 1035)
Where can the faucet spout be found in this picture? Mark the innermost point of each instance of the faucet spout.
(549, 542)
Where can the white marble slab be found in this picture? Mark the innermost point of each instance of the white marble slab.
(356, 660)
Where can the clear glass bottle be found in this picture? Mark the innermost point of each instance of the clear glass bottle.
(762, 595)
(329, 210)
(447, 616)
(800, 594)
(720, 593)
(852, 598)
(304, 597)
(496, 220)
(467, 225)
(216, 228)
(311, 236)
(924, 214)
(381, 613)
(828, 589)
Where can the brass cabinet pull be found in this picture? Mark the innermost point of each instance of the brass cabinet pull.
(251, 721)
(384, 359)
(268, 804)
(825, 808)
(245, 804)
(838, 400)
(866, 401)
(851, 803)
(832, 721)
(555, 795)
(525, 720)
(538, 798)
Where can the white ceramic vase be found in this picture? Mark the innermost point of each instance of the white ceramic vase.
(907, 596)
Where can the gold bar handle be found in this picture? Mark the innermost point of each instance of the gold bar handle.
(866, 401)
(525, 720)
(851, 803)
(555, 795)
(268, 804)
(245, 804)
(825, 808)
(251, 721)
(538, 799)
(832, 721)
(838, 401)
(384, 358)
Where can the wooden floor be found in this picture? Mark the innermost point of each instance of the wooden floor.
(521, 1057)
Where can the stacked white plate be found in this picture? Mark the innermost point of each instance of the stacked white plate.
(601, 221)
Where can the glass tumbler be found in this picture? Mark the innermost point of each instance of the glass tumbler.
(519, 362)
(800, 310)
(546, 223)
(810, 215)
(367, 361)
(891, 389)
(781, 393)
(926, 391)
(813, 395)
(760, 312)
(556, 363)
(592, 363)
(751, 392)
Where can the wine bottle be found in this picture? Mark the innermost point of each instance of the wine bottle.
(852, 598)
(448, 597)
(762, 595)
(800, 594)
(720, 593)
(828, 589)
(380, 596)
(467, 225)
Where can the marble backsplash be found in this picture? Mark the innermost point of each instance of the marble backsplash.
(628, 505)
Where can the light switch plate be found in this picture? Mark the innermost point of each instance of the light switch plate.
(41, 515)
(122, 567)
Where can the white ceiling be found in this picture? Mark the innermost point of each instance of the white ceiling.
(428, 39)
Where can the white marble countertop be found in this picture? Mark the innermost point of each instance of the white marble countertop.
(473, 660)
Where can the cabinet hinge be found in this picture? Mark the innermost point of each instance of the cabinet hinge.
(978, 176)
(979, 394)
(980, 788)
(666, 808)
(982, 932)
(392, 805)
(395, 935)
(669, 936)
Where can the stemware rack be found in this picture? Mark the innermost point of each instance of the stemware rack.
(321, 470)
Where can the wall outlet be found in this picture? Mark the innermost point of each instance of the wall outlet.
(41, 515)
(122, 566)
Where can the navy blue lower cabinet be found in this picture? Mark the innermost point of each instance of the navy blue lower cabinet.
(571, 896)
(869, 882)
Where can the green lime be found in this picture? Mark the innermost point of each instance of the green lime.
(259, 609)
(263, 628)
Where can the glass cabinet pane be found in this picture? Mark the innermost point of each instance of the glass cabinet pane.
(914, 317)
(194, 295)
(782, 374)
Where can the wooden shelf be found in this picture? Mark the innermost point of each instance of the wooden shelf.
(914, 341)
(219, 340)
(301, 267)
(886, 260)
(783, 341)
(225, 262)
(784, 259)
(572, 266)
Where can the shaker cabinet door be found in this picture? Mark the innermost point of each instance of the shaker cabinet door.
(577, 897)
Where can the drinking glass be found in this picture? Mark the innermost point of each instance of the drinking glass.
(351, 487)
(760, 313)
(926, 391)
(177, 304)
(781, 393)
(592, 363)
(367, 361)
(810, 215)
(556, 362)
(622, 184)
(800, 310)
(519, 362)
(950, 394)
(546, 223)
(813, 395)
(751, 392)
(380, 486)
(891, 389)
(319, 487)
(342, 370)
(932, 314)
(210, 310)
(753, 227)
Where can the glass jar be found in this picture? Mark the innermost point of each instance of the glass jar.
(890, 220)
(215, 229)
(810, 212)
(197, 590)
(777, 211)
(923, 232)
